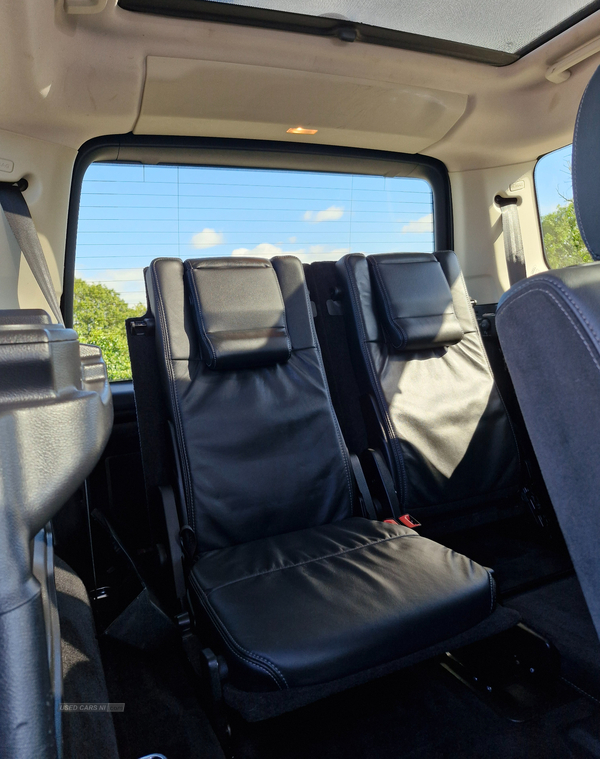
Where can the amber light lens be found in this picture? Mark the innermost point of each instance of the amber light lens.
(301, 130)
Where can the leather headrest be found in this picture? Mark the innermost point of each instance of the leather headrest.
(239, 312)
(586, 166)
(414, 301)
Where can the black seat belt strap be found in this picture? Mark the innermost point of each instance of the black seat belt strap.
(366, 499)
(19, 220)
(513, 240)
(173, 532)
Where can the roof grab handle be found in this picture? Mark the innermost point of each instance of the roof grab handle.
(560, 71)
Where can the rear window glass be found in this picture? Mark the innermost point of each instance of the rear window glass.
(563, 245)
(130, 214)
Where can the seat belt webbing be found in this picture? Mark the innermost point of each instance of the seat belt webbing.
(19, 220)
(513, 240)
(367, 500)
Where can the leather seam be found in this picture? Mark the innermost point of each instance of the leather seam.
(173, 391)
(236, 649)
(312, 561)
(580, 690)
(492, 591)
(386, 305)
(565, 312)
(202, 324)
(565, 293)
(383, 407)
(288, 339)
(338, 432)
(426, 316)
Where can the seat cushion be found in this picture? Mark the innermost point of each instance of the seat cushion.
(317, 605)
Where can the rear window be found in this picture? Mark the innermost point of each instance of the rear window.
(130, 214)
(563, 245)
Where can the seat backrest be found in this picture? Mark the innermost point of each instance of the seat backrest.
(260, 447)
(420, 358)
(549, 328)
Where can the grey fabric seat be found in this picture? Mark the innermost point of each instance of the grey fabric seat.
(549, 328)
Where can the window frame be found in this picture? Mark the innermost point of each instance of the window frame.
(257, 154)
(537, 203)
(347, 31)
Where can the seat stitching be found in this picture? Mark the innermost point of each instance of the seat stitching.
(393, 440)
(474, 325)
(312, 561)
(492, 591)
(173, 391)
(287, 332)
(565, 292)
(577, 688)
(202, 324)
(233, 645)
(386, 304)
(565, 312)
(426, 316)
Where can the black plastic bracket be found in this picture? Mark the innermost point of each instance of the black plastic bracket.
(212, 672)
(516, 672)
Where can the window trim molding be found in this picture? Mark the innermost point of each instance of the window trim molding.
(130, 148)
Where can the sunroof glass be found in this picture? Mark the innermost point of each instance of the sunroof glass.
(503, 27)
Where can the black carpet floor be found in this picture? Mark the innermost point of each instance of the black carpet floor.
(558, 611)
(423, 713)
(86, 734)
(162, 708)
(519, 552)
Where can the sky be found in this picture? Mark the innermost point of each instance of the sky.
(130, 214)
(553, 180)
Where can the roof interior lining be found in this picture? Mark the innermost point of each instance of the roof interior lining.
(68, 79)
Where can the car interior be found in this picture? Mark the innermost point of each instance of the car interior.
(299, 341)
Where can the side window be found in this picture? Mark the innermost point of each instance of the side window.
(563, 245)
(130, 214)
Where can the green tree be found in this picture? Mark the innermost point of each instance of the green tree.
(99, 315)
(562, 239)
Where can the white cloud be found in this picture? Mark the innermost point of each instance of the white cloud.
(292, 239)
(314, 253)
(333, 213)
(208, 238)
(265, 250)
(128, 283)
(421, 226)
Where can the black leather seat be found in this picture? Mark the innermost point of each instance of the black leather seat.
(549, 328)
(295, 591)
(431, 402)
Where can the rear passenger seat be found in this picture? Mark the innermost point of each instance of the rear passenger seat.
(301, 597)
(432, 406)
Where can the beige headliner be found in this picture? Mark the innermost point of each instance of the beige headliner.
(67, 79)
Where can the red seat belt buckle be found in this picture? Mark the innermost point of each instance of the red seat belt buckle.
(409, 521)
(390, 521)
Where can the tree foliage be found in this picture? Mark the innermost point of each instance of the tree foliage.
(99, 315)
(562, 238)
(99, 312)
